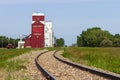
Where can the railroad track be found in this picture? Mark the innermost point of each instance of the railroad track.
(44, 72)
(54, 67)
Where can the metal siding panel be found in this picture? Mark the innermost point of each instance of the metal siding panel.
(37, 33)
(37, 30)
(27, 42)
(38, 18)
(37, 41)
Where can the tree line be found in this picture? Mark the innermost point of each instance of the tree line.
(92, 37)
(96, 37)
(4, 41)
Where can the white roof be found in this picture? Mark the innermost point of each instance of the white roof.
(38, 14)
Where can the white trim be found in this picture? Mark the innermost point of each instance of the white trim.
(33, 22)
(39, 21)
(42, 22)
(38, 14)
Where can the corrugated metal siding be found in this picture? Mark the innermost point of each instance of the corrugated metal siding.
(37, 33)
(27, 42)
(38, 18)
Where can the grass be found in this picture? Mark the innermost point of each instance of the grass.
(10, 66)
(13, 78)
(15, 65)
(104, 58)
(6, 54)
(10, 53)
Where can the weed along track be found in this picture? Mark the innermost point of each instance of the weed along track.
(57, 70)
(20, 67)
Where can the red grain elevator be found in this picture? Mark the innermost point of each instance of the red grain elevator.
(36, 38)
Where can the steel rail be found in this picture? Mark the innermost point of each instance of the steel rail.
(43, 71)
(110, 76)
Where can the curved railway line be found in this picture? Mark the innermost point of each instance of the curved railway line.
(54, 67)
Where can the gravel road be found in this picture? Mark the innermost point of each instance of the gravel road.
(63, 71)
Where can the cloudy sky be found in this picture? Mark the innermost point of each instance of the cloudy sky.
(69, 17)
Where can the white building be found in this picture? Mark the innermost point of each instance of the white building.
(49, 38)
(21, 43)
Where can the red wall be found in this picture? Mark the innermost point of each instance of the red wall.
(37, 39)
(37, 29)
(28, 41)
(38, 18)
(37, 33)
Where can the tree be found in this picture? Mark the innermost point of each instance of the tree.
(92, 37)
(5, 41)
(117, 36)
(116, 40)
(106, 43)
(60, 42)
(79, 41)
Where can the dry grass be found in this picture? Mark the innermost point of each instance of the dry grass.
(11, 68)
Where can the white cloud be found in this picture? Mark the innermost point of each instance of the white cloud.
(43, 1)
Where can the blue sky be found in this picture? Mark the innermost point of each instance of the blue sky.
(69, 17)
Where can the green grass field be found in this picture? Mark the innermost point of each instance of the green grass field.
(104, 58)
(6, 54)
(9, 66)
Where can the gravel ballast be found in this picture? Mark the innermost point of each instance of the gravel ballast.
(63, 71)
